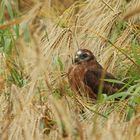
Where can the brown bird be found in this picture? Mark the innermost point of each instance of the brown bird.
(86, 76)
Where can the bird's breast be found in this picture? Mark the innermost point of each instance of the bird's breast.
(76, 75)
(76, 79)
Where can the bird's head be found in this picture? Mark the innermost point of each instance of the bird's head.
(83, 55)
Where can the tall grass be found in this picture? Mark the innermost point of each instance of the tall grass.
(37, 43)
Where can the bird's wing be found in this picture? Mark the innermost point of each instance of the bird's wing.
(92, 78)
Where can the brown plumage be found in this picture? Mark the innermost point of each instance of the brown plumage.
(85, 76)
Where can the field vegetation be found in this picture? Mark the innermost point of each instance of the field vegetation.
(38, 39)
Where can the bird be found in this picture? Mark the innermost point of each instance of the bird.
(86, 75)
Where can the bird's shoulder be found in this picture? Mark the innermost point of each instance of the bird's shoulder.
(98, 74)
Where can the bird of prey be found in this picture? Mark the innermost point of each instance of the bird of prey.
(86, 76)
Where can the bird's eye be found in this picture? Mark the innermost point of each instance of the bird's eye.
(84, 55)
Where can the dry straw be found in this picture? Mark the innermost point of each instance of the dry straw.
(43, 108)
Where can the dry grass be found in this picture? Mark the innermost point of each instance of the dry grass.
(36, 102)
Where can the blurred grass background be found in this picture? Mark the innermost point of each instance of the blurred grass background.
(38, 39)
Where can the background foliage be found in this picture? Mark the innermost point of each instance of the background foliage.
(38, 39)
